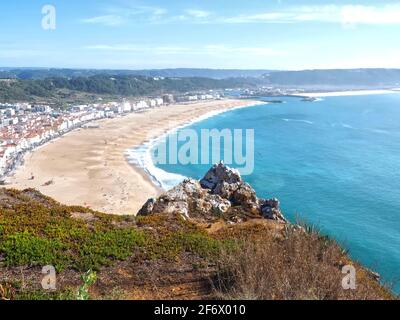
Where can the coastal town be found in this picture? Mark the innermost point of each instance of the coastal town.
(25, 126)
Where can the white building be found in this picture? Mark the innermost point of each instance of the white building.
(152, 103)
(159, 102)
(141, 105)
(3, 161)
(79, 108)
(126, 107)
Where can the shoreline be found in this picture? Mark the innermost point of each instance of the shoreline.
(347, 93)
(90, 167)
(140, 156)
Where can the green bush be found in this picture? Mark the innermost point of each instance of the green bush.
(25, 249)
(88, 279)
(195, 242)
(37, 231)
(39, 295)
(102, 248)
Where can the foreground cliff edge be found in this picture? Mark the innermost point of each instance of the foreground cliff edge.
(208, 239)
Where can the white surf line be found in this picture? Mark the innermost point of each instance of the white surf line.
(140, 156)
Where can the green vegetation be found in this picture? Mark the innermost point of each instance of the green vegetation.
(38, 295)
(59, 85)
(15, 291)
(24, 249)
(59, 88)
(197, 242)
(258, 259)
(36, 231)
(88, 279)
(36, 235)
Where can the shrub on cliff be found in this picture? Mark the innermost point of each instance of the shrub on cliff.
(298, 266)
(38, 231)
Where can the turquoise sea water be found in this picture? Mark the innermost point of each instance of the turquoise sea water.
(335, 163)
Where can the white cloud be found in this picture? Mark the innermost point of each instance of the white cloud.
(199, 14)
(346, 14)
(117, 16)
(106, 20)
(357, 14)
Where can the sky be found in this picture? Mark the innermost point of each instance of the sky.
(238, 34)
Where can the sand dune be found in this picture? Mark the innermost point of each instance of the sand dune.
(88, 167)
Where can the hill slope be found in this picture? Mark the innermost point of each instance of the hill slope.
(53, 89)
(339, 78)
(201, 240)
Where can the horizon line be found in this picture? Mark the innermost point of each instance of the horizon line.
(2, 68)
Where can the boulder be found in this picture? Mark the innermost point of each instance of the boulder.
(147, 208)
(270, 209)
(221, 180)
(220, 194)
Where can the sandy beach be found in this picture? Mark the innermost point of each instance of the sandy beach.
(88, 167)
(346, 93)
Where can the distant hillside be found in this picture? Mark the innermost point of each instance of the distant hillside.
(42, 73)
(121, 86)
(342, 78)
(72, 84)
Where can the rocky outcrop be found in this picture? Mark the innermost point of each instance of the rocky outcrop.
(222, 193)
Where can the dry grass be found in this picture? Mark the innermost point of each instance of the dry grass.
(301, 265)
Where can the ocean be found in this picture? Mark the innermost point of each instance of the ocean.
(333, 163)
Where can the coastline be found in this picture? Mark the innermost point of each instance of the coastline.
(346, 93)
(89, 167)
(140, 156)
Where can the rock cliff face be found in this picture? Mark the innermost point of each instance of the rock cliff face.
(220, 194)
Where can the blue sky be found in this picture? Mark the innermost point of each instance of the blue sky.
(246, 34)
